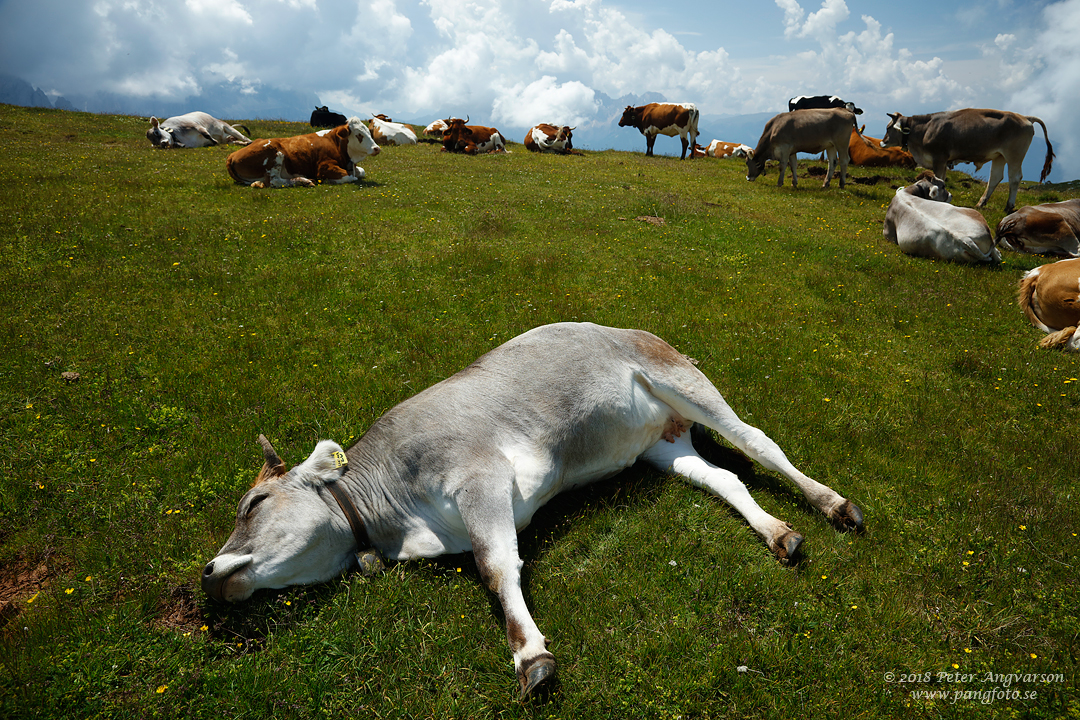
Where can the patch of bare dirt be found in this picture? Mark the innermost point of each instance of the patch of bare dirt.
(179, 610)
(23, 578)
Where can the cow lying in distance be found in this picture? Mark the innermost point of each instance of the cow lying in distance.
(322, 117)
(939, 140)
(718, 149)
(550, 138)
(194, 130)
(669, 119)
(923, 223)
(387, 132)
(471, 139)
(326, 156)
(806, 131)
(1048, 229)
(1050, 297)
(866, 151)
(465, 464)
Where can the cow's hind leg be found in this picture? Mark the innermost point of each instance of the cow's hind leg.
(486, 507)
(997, 172)
(687, 391)
(679, 457)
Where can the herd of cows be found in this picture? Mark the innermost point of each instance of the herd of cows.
(567, 404)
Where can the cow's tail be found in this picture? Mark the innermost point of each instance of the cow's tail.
(692, 126)
(1049, 150)
(1025, 295)
(1066, 338)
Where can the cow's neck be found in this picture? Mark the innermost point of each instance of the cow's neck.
(356, 522)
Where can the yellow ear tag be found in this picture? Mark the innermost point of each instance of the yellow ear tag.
(339, 459)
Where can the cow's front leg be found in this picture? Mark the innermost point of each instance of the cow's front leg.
(650, 140)
(487, 510)
(997, 172)
(334, 174)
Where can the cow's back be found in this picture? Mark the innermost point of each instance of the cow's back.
(974, 134)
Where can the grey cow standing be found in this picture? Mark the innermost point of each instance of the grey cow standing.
(465, 464)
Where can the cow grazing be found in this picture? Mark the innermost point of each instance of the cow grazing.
(461, 137)
(193, 130)
(325, 156)
(718, 149)
(866, 151)
(1049, 229)
(321, 117)
(806, 131)
(387, 132)
(550, 138)
(970, 135)
(922, 222)
(1050, 298)
(466, 463)
(820, 102)
(663, 119)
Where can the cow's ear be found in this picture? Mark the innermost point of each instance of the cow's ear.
(153, 122)
(273, 465)
(326, 463)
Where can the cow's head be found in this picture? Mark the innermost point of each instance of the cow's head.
(361, 144)
(754, 166)
(289, 530)
(928, 187)
(158, 136)
(896, 134)
(631, 116)
(457, 136)
(565, 137)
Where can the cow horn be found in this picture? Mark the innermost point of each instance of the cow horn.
(273, 465)
(466, 119)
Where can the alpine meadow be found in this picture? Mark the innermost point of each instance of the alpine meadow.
(157, 318)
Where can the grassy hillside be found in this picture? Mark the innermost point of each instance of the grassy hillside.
(197, 314)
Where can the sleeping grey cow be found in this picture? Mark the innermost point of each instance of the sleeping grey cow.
(193, 130)
(466, 463)
(922, 222)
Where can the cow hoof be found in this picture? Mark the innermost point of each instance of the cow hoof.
(848, 517)
(534, 674)
(788, 547)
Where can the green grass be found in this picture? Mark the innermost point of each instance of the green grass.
(198, 314)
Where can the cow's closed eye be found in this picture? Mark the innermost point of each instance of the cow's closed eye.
(254, 503)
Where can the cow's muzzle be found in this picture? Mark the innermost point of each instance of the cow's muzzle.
(229, 579)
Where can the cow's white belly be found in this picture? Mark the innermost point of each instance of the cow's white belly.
(670, 130)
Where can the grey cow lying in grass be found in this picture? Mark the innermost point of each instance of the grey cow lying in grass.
(466, 463)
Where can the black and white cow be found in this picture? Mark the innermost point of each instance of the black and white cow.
(466, 463)
(818, 102)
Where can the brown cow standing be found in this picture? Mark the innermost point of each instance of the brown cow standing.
(865, 151)
(1050, 297)
(471, 139)
(326, 156)
(1049, 229)
(664, 119)
(806, 131)
(970, 135)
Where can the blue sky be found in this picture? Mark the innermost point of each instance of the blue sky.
(513, 64)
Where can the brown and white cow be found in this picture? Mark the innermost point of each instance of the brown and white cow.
(326, 156)
(465, 464)
(803, 131)
(923, 223)
(385, 131)
(718, 149)
(193, 130)
(971, 135)
(866, 151)
(435, 128)
(1050, 298)
(471, 139)
(664, 119)
(1048, 229)
(550, 138)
